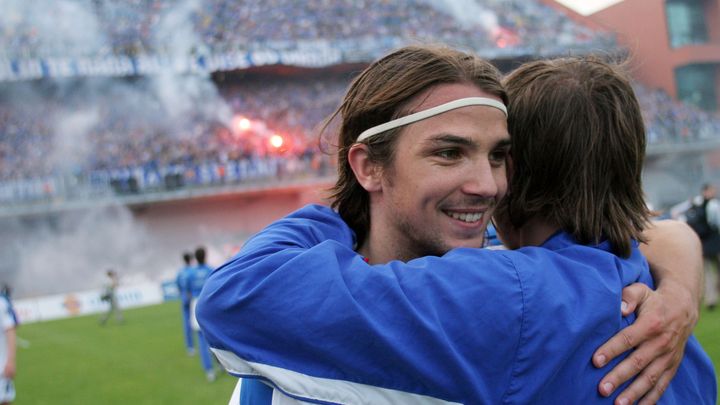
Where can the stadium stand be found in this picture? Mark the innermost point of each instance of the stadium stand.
(87, 140)
(670, 121)
(85, 107)
(135, 27)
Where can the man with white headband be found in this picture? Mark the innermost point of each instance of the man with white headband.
(308, 311)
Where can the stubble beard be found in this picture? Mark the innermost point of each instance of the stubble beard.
(420, 242)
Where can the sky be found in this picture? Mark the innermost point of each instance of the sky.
(586, 7)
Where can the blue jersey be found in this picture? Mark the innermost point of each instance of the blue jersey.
(183, 283)
(299, 309)
(197, 279)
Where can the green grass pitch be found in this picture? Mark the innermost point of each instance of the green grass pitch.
(708, 333)
(143, 361)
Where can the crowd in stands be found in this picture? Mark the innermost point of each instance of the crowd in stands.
(87, 28)
(64, 137)
(670, 121)
(137, 149)
(80, 28)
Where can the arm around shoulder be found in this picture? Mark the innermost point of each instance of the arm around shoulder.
(674, 253)
(298, 297)
(666, 317)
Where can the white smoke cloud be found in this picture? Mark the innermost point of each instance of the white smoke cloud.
(69, 252)
(175, 33)
(469, 13)
(71, 143)
(185, 96)
(52, 27)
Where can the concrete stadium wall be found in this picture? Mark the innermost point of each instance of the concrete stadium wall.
(221, 220)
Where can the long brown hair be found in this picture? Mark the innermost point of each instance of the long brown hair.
(381, 93)
(578, 144)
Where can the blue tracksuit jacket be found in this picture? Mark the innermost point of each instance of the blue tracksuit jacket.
(298, 308)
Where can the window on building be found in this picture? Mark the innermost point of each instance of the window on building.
(696, 85)
(686, 22)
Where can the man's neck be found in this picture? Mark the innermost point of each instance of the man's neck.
(382, 243)
(376, 252)
(535, 232)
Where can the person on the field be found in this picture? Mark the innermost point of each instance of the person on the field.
(702, 213)
(197, 279)
(6, 291)
(183, 285)
(110, 296)
(8, 321)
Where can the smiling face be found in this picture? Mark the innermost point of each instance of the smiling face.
(447, 175)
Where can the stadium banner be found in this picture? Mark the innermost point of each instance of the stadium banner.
(304, 54)
(84, 303)
(170, 290)
(319, 58)
(225, 61)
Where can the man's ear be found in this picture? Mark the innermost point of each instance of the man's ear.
(367, 173)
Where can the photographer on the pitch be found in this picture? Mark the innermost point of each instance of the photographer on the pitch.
(702, 213)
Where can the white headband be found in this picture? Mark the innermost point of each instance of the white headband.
(421, 115)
